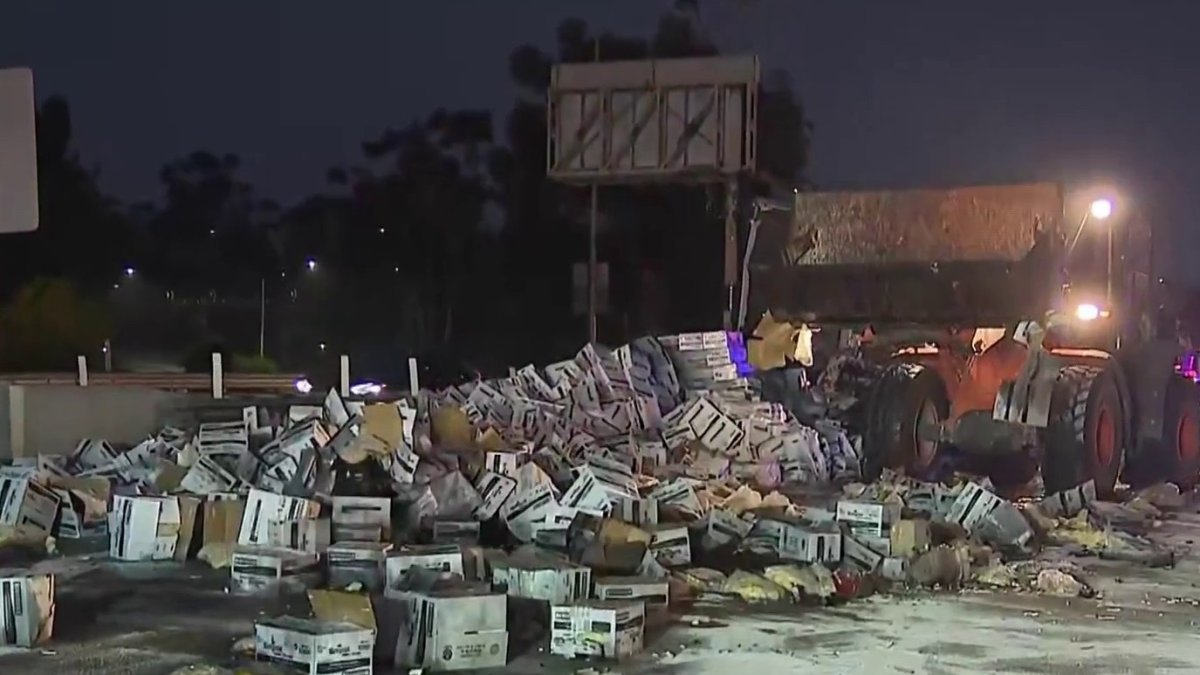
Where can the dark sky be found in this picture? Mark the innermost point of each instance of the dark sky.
(901, 93)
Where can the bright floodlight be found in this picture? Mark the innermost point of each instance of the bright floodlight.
(1101, 209)
(1087, 312)
(311, 264)
(128, 271)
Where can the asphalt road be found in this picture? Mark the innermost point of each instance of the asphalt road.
(136, 619)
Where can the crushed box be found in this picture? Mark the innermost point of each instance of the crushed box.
(606, 628)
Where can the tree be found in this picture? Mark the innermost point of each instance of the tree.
(47, 324)
(211, 231)
(82, 235)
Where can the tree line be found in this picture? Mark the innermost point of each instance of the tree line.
(444, 235)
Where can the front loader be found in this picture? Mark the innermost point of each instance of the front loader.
(1000, 322)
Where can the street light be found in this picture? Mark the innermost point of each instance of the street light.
(1101, 209)
(311, 264)
(129, 271)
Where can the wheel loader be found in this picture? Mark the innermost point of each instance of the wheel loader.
(1006, 323)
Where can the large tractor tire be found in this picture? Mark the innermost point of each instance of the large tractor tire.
(904, 399)
(1181, 433)
(1086, 436)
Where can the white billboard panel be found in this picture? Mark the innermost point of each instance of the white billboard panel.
(655, 119)
(18, 152)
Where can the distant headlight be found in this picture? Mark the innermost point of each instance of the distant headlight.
(1087, 312)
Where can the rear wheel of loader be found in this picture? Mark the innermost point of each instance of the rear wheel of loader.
(905, 400)
(1181, 431)
(1086, 435)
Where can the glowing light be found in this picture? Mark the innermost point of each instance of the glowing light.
(366, 389)
(128, 271)
(1087, 312)
(1101, 209)
(304, 386)
(311, 264)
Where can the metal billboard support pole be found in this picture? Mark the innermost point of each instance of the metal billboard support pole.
(731, 262)
(592, 308)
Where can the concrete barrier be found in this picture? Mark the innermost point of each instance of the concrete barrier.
(51, 418)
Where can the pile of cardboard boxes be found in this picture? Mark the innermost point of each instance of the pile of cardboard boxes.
(572, 492)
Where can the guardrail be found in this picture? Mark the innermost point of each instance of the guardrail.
(189, 382)
(218, 382)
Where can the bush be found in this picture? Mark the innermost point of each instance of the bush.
(261, 365)
(46, 324)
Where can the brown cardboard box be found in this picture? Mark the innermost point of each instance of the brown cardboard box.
(909, 538)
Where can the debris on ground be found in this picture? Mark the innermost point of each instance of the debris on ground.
(590, 491)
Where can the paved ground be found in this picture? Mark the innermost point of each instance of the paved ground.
(151, 620)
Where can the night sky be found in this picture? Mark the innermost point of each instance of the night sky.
(901, 93)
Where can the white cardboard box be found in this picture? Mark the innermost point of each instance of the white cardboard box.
(27, 608)
(653, 592)
(358, 561)
(206, 476)
(679, 494)
(868, 519)
(362, 518)
(608, 629)
(310, 535)
(455, 629)
(312, 647)
(445, 559)
(724, 527)
(494, 492)
(27, 505)
(549, 580)
(143, 528)
(973, 504)
(503, 462)
(810, 544)
(264, 507)
(263, 568)
(671, 545)
(598, 489)
(527, 508)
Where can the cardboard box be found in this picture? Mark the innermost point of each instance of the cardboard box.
(27, 607)
(859, 555)
(909, 538)
(642, 511)
(455, 629)
(362, 518)
(363, 562)
(455, 531)
(310, 535)
(679, 494)
(206, 476)
(973, 504)
(722, 528)
(91, 454)
(609, 629)
(550, 580)
(28, 505)
(257, 569)
(445, 559)
(222, 519)
(494, 492)
(503, 462)
(527, 508)
(312, 647)
(671, 545)
(143, 528)
(867, 519)
(653, 592)
(811, 544)
(263, 507)
(599, 489)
